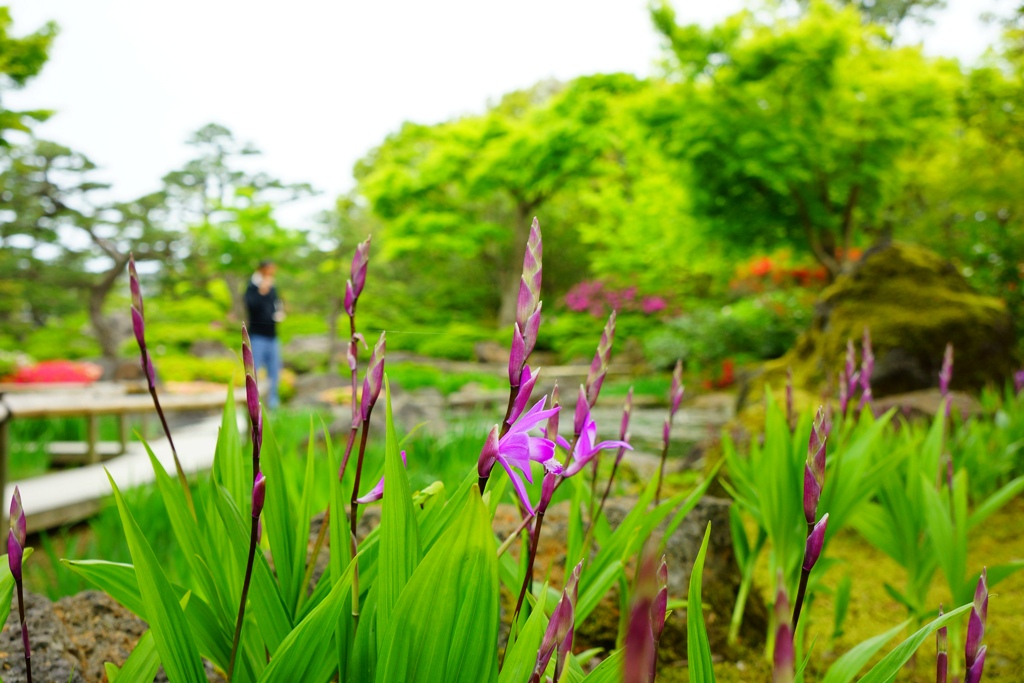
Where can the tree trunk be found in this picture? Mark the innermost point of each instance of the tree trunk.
(510, 292)
(103, 327)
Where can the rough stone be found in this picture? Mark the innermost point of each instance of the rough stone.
(913, 302)
(52, 659)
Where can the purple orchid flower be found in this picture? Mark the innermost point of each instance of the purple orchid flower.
(377, 492)
(259, 494)
(587, 447)
(517, 449)
(602, 359)
(527, 380)
(974, 651)
(867, 368)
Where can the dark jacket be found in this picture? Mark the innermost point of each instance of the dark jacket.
(262, 308)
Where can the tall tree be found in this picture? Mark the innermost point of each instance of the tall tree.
(471, 187)
(793, 129)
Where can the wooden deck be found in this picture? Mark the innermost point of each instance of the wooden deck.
(71, 495)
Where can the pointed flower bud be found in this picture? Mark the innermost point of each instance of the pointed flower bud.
(527, 380)
(560, 626)
(602, 358)
(133, 285)
(946, 373)
(974, 671)
(784, 656)
(530, 283)
(252, 391)
(259, 494)
(350, 299)
(676, 392)
(582, 411)
(359, 262)
(551, 429)
(489, 454)
(1018, 381)
(547, 489)
(941, 657)
(16, 536)
(976, 623)
(532, 329)
(814, 469)
(516, 357)
(374, 378)
(640, 651)
(815, 542)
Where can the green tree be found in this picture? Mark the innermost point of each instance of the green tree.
(793, 129)
(465, 191)
(21, 59)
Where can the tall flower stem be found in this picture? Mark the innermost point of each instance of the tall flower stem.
(15, 558)
(253, 533)
(352, 519)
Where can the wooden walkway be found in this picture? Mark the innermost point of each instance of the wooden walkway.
(71, 495)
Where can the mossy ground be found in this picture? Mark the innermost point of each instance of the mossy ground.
(873, 611)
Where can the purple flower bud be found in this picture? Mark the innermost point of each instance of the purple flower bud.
(941, 657)
(1018, 381)
(352, 362)
(359, 262)
(150, 371)
(627, 412)
(815, 542)
(666, 431)
(844, 396)
(259, 530)
(814, 469)
(489, 454)
(850, 373)
(526, 382)
(350, 299)
(784, 656)
(547, 489)
(560, 626)
(812, 495)
(582, 411)
(976, 623)
(532, 328)
(377, 492)
(259, 494)
(516, 357)
(530, 283)
(974, 671)
(946, 372)
(16, 536)
(602, 358)
(139, 327)
(374, 378)
(640, 650)
(133, 285)
(551, 429)
(247, 360)
(676, 393)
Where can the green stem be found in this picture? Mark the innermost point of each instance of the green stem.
(245, 592)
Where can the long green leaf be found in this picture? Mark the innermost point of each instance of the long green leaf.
(229, 470)
(142, 664)
(697, 644)
(399, 534)
(608, 671)
(340, 556)
(521, 658)
(448, 629)
(849, 665)
(887, 669)
(301, 656)
(174, 641)
(281, 520)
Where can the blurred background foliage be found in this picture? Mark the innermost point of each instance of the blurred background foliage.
(708, 204)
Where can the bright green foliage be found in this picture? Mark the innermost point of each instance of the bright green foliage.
(21, 59)
(698, 647)
(794, 129)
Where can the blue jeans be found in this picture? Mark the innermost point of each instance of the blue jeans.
(266, 354)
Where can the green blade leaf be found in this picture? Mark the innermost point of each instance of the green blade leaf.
(399, 535)
(449, 626)
(849, 665)
(280, 518)
(522, 657)
(142, 664)
(887, 669)
(608, 671)
(174, 642)
(301, 655)
(698, 646)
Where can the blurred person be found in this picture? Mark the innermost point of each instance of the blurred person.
(265, 311)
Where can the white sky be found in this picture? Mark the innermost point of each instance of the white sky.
(315, 84)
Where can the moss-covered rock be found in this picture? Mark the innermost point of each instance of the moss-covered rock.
(913, 301)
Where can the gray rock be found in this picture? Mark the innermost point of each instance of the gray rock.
(52, 660)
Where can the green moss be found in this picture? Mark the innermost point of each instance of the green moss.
(913, 302)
